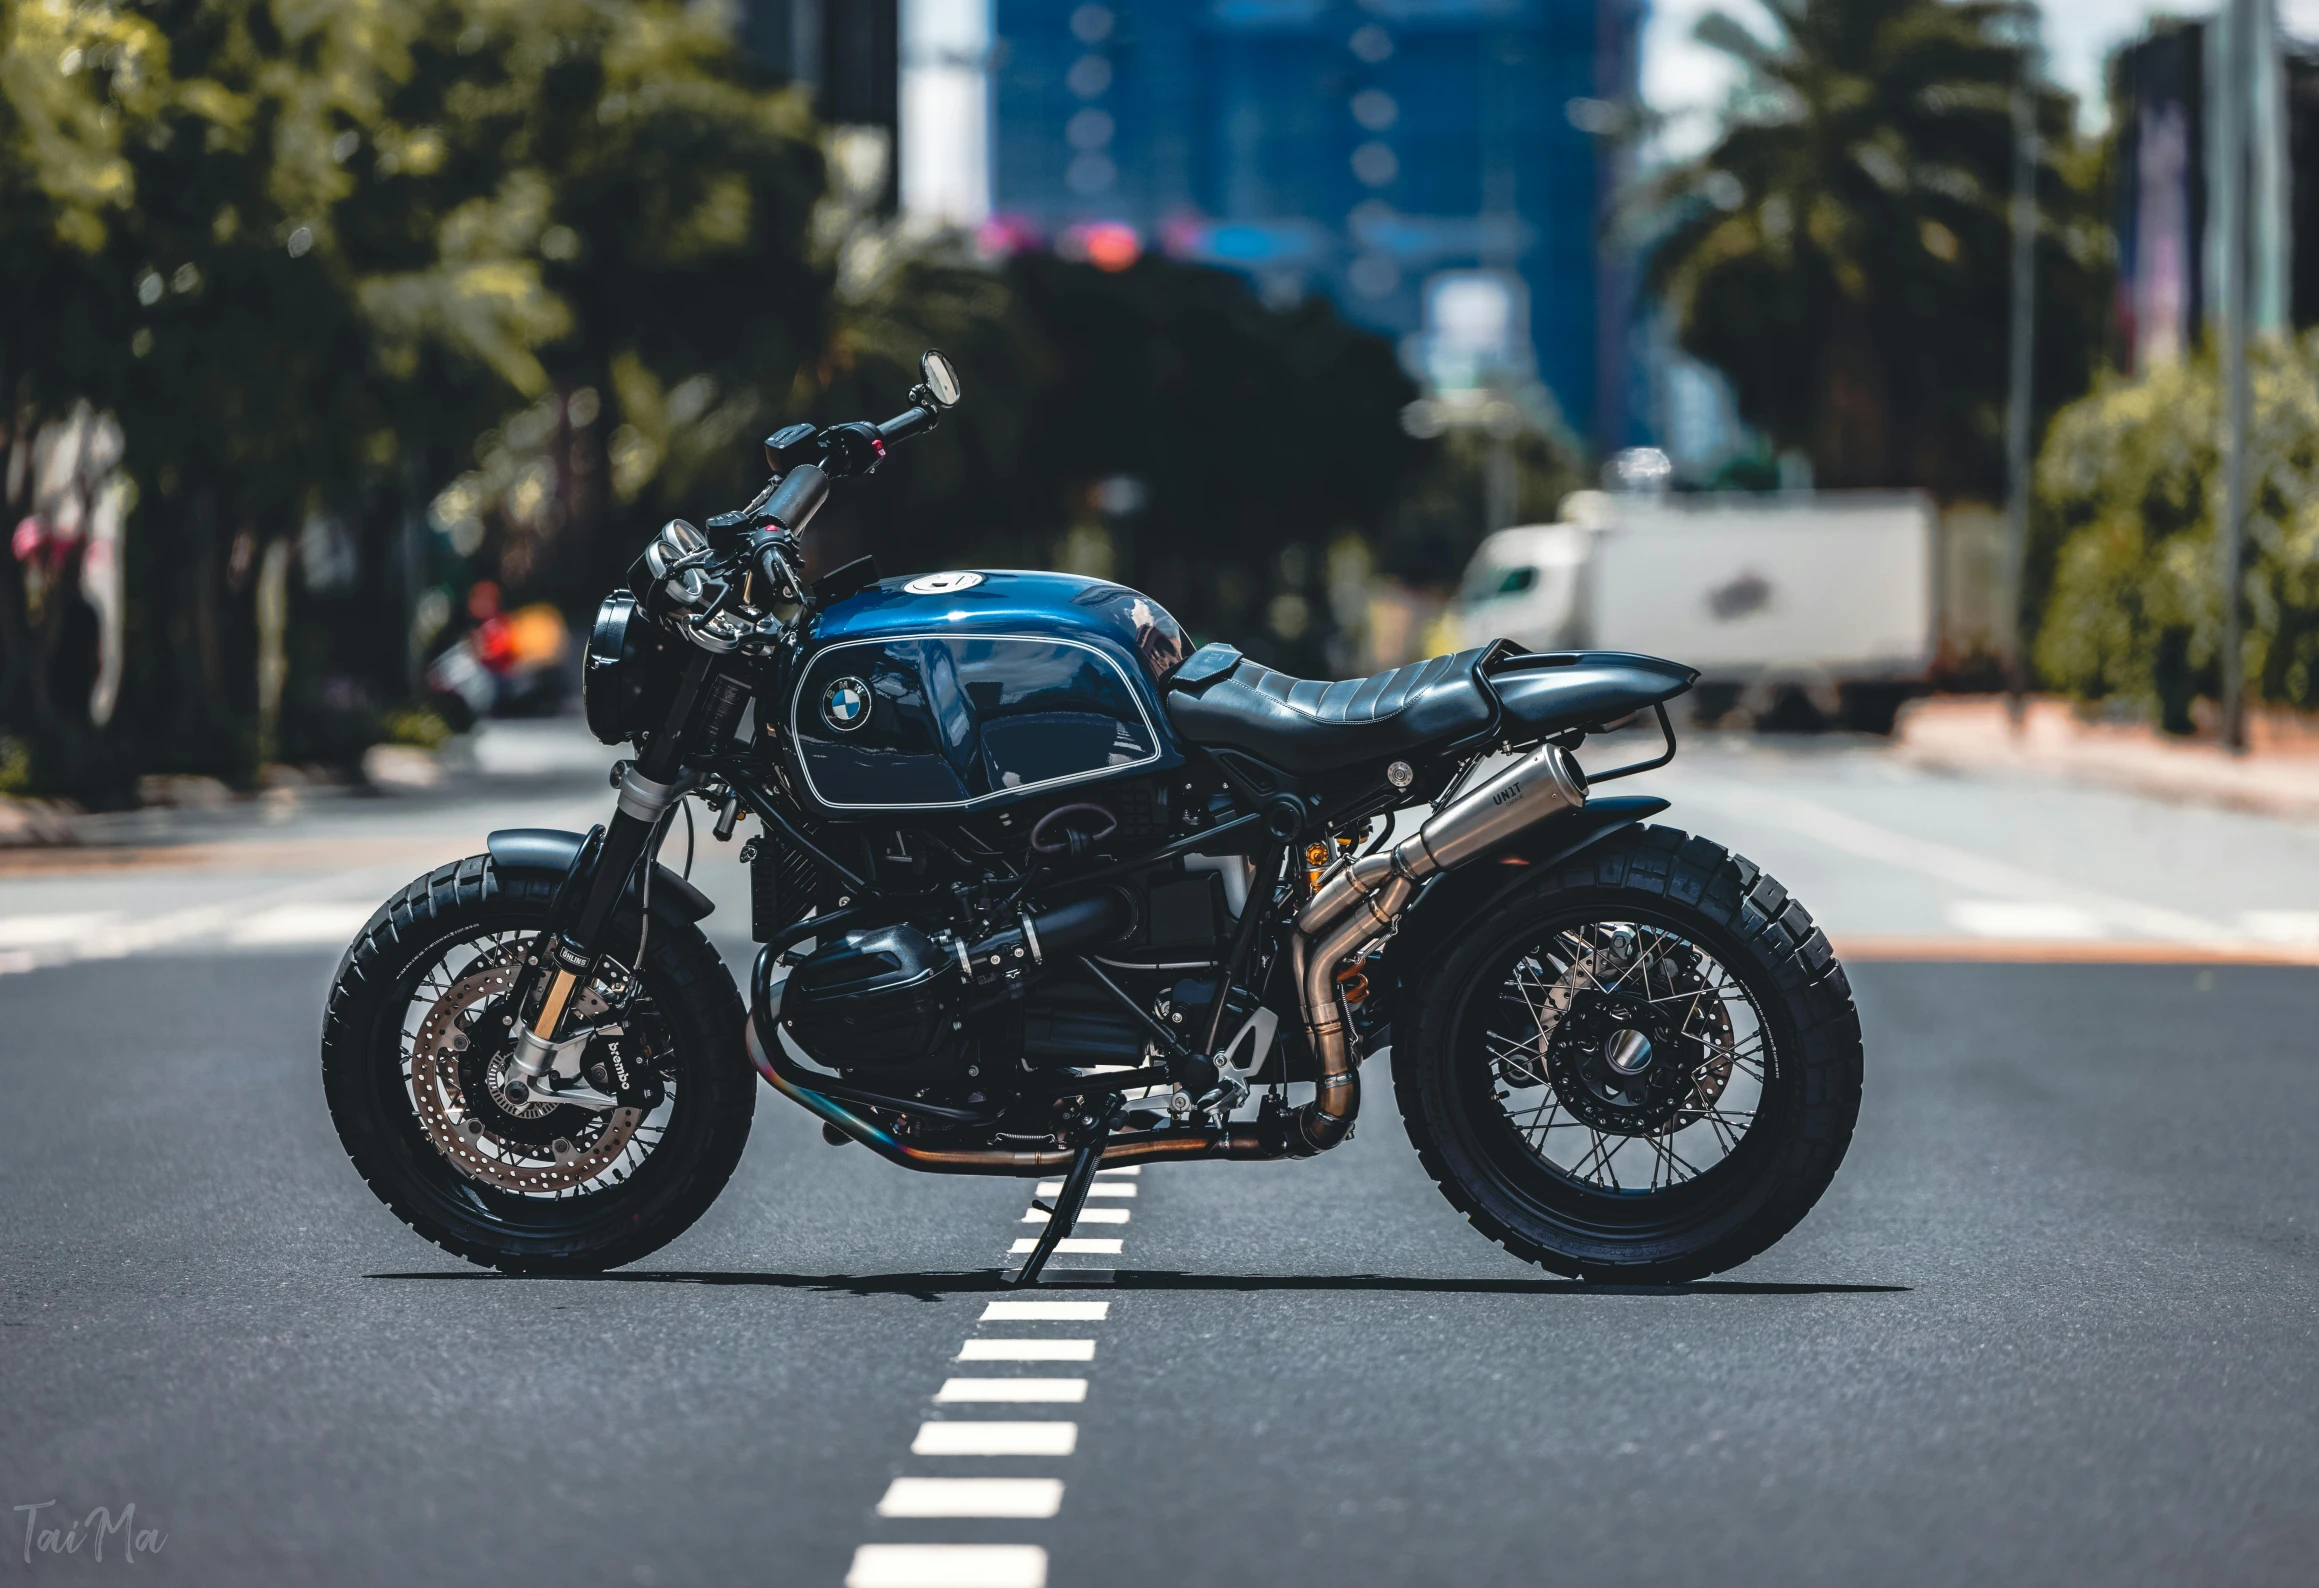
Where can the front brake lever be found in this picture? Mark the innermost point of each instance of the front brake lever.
(771, 558)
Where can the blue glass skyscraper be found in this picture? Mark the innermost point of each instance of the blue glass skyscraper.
(1434, 166)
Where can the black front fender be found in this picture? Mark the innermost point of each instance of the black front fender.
(1464, 895)
(546, 853)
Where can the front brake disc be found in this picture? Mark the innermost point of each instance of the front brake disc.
(480, 1137)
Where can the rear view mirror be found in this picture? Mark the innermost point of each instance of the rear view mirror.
(941, 377)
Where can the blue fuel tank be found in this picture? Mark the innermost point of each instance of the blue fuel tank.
(956, 691)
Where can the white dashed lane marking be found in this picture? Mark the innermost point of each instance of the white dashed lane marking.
(1046, 1312)
(1028, 1351)
(962, 1391)
(1030, 1498)
(926, 1497)
(995, 1439)
(948, 1566)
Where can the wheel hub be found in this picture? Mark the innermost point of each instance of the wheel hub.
(457, 1062)
(1629, 1052)
(1618, 1064)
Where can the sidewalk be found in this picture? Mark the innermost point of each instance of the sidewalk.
(541, 755)
(2278, 776)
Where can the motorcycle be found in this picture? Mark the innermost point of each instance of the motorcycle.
(1042, 889)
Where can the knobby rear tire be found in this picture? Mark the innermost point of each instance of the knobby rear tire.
(1731, 908)
(369, 1100)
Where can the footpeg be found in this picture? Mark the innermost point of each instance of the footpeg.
(1227, 1094)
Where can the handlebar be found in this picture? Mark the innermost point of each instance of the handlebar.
(909, 422)
(799, 496)
(800, 488)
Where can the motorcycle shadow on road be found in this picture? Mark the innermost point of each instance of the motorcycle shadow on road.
(934, 1286)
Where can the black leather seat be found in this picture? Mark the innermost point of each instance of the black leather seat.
(1301, 725)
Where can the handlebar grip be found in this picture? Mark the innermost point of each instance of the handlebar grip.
(799, 498)
(909, 422)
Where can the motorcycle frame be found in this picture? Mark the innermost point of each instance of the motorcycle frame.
(1354, 903)
(672, 768)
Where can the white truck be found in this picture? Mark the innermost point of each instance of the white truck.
(1792, 606)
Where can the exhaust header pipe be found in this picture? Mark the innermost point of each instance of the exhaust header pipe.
(1364, 900)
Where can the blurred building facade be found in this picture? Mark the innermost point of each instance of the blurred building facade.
(2166, 100)
(1438, 168)
(846, 52)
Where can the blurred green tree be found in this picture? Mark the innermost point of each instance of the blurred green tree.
(2128, 493)
(1842, 252)
(387, 295)
(306, 252)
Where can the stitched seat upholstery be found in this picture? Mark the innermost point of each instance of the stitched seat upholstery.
(1304, 725)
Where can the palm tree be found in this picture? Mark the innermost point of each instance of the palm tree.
(1841, 253)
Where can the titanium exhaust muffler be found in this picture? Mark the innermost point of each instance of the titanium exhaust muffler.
(1364, 900)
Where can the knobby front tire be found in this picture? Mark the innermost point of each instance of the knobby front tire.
(366, 1042)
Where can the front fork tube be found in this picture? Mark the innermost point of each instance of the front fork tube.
(571, 954)
(649, 787)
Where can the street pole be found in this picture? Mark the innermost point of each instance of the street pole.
(2233, 215)
(1501, 482)
(2017, 410)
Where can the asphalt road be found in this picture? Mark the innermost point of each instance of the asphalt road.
(2054, 1322)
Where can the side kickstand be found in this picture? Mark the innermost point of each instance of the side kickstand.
(1067, 1206)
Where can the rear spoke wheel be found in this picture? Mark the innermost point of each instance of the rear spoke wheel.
(1634, 1032)
(1644, 1065)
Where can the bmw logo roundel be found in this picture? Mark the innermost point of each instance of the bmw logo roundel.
(845, 705)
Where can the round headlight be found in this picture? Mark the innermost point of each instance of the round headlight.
(630, 674)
